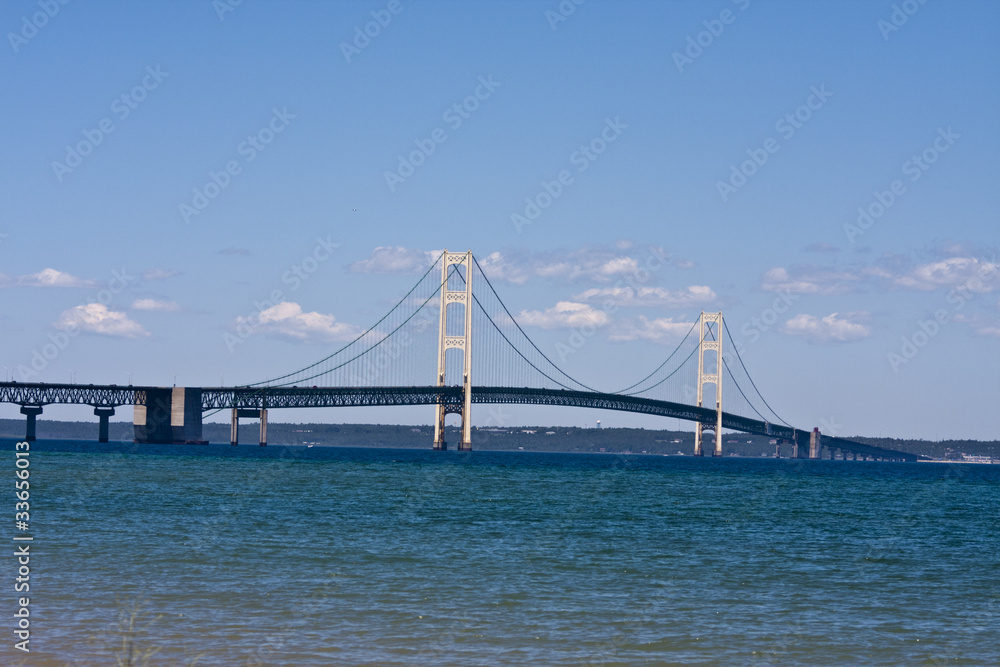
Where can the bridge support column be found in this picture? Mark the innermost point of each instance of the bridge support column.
(247, 413)
(814, 444)
(30, 411)
(439, 443)
(456, 268)
(103, 413)
(710, 340)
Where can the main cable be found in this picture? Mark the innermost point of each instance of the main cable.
(726, 327)
(368, 331)
(504, 306)
(679, 345)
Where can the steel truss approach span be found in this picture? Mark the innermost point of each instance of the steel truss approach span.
(74, 394)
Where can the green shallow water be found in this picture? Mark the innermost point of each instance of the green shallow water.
(294, 556)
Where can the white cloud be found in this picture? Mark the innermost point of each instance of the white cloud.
(47, 278)
(649, 296)
(154, 304)
(820, 246)
(988, 331)
(890, 272)
(834, 328)
(974, 274)
(565, 314)
(591, 264)
(396, 259)
(159, 274)
(810, 280)
(664, 330)
(286, 320)
(96, 318)
(588, 263)
(980, 324)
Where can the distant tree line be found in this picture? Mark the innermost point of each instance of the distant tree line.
(528, 438)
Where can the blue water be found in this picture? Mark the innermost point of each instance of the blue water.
(322, 556)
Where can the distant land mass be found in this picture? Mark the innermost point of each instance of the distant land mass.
(511, 438)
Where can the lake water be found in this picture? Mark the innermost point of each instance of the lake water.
(322, 556)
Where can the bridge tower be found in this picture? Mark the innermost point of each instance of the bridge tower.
(710, 324)
(464, 342)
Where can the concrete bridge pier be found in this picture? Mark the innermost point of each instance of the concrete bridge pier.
(234, 428)
(814, 444)
(31, 411)
(103, 413)
(439, 442)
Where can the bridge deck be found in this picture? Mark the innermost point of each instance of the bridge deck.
(217, 398)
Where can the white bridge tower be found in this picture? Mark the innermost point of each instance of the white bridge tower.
(450, 297)
(710, 324)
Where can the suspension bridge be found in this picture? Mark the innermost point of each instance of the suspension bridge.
(482, 355)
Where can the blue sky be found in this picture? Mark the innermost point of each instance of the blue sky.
(745, 158)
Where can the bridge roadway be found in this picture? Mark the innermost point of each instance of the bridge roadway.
(256, 398)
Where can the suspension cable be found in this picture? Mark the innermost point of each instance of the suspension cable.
(504, 306)
(741, 390)
(726, 326)
(368, 331)
(679, 345)
(262, 389)
(519, 353)
(676, 370)
(387, 337)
